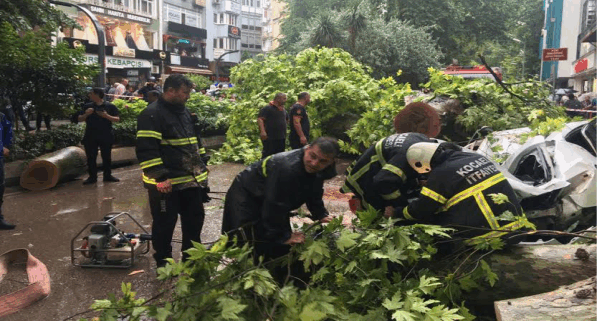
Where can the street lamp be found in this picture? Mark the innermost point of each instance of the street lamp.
(523, 53)
(218, 63)
(101, 39)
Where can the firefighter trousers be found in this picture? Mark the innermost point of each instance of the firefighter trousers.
(165, 209)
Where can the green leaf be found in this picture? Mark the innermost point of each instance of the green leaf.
(395, 303)
(230, 308)
(428, 285)
(346, 240)
(499, 198)
(309, 313)
(400, 315)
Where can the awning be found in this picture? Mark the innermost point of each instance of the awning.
(188, 70)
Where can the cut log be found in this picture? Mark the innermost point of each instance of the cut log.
(574, 302)
(526, 270)
(48, 170)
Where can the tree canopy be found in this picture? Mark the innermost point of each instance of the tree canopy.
(458, 30)
(32, 67)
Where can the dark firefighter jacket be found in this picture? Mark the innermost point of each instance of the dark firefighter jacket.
(266, 191)
(169, 148)
(459, 193)
(382, 175)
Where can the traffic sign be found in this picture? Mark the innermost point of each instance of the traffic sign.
(555, 54)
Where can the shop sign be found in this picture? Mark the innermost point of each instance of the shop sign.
(555, 54)
(174, 59)
(134, 72)
(581, 65)
(200, 3)
(233, 32)
(119, 14)
(123, 52)
(174, 16)
(119, 63)
(190, 20)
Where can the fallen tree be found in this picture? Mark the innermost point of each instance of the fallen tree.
(48, 170)
(575, 302)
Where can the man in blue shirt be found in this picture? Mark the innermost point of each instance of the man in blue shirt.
(5, 142)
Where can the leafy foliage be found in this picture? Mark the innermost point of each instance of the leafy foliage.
(487, 104)
(213, 114)
(337, 84)
(28, 146)
(32, 69)
(379, 271)
(129, 110)
(201, 82)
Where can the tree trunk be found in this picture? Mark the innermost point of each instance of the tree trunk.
(525, 270)
(575, 302)
(48, 170)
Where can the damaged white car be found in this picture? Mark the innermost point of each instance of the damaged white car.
(554, 177)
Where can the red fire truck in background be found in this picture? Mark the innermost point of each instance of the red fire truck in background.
(469, 72)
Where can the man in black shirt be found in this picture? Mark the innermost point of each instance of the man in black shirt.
(300, 126)
(272, 126)
(99, 116)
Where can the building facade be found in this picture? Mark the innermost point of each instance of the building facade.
(252, 27)
(185, 37)
(583, 67)
(132, 32)
(151, 38)
(224, 37)
(570, 24)
(273, 13)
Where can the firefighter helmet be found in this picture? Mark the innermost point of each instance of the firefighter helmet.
(419, 156)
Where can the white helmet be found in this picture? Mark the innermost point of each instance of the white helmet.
(419, 156)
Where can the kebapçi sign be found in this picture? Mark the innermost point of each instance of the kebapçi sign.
(119, 14)
(118, 63)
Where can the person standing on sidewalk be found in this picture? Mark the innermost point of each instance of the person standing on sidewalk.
(272, 126)
(173, 170)
(99, 116)
(300, 125)
(5, 142)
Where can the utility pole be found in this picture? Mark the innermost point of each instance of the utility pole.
(101, 39)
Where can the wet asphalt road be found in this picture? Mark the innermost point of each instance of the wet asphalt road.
(48, 220)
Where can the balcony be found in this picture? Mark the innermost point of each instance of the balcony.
(145, 8)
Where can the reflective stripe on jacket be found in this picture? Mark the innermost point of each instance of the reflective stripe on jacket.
(382, 174)
(168, 146)
(459, 192)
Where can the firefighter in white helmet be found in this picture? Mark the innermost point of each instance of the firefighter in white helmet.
(464, 190)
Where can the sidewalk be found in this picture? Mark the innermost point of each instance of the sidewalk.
(121, 157)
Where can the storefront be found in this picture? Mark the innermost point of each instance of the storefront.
(132, 46)
(584, 73)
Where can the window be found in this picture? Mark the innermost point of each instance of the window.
(257, 46)
(215, 18)
(245, 27)
(221, 42)
(221, 18)
(251, 3)
(215, 43)
(258, 4)
(258, 29)
(251, 28)
(244, 45)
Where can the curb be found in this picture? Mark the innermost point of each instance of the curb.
(121, 157)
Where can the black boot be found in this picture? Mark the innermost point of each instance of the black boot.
(90, 180)
(4, 225)
(111, 179)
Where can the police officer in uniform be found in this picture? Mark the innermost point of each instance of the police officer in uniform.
(173, 170)
(463, 190)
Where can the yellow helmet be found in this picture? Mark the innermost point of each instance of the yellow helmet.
(419, 156)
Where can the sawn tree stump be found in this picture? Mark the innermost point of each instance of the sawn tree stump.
(48, 170)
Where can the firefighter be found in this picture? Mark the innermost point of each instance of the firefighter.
(464, 190)
(381, 177)
(173, 170)
(260, 199)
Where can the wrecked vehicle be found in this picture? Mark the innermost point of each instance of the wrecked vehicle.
(554, 176)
